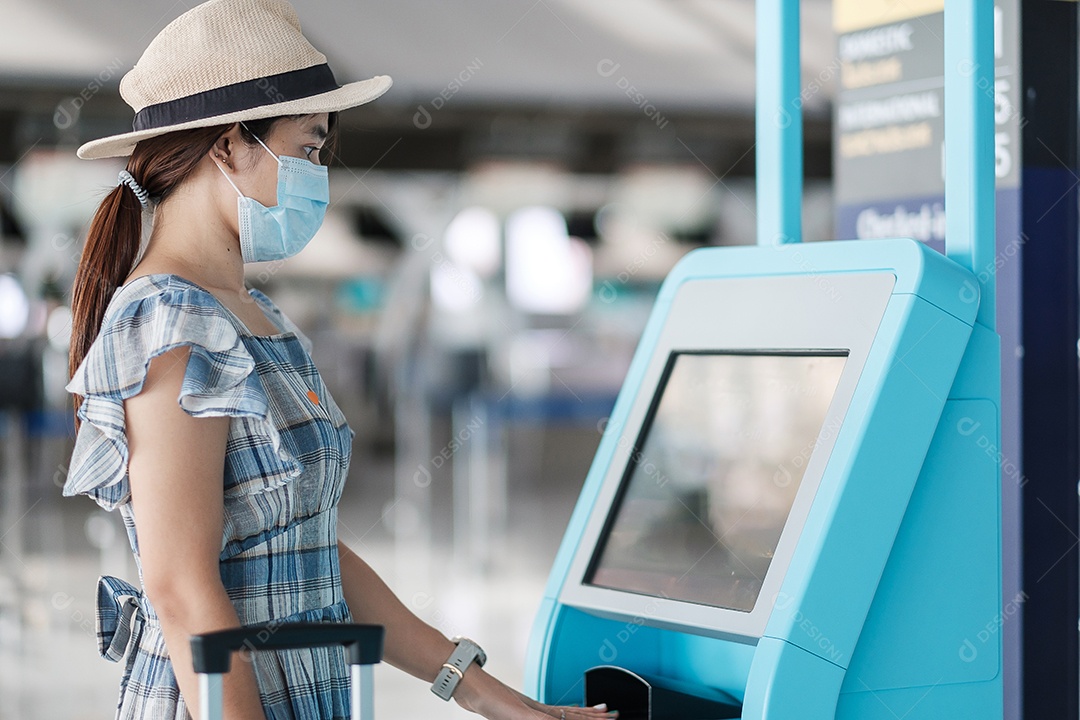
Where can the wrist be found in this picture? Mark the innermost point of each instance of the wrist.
(473, 689)
(466, 655)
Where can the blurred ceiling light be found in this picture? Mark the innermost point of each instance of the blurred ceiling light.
(53, 190)
(58, 328)
(505, 186)
(454, 288)
(14, 307)
(667, 196)
(472, 241)
(547, 271)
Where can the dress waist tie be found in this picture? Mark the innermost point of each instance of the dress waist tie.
(121, 614)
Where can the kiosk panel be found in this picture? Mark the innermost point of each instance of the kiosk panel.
(798, 371)
(714, 474)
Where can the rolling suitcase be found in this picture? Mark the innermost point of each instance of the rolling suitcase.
(211, 654)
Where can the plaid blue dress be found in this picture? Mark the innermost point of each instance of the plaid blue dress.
(286, 460)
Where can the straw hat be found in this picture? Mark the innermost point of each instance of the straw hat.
(226, 61)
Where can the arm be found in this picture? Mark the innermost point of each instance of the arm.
(176, 471)
(420, 650)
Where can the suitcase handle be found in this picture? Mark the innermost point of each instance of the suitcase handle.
(212, 652)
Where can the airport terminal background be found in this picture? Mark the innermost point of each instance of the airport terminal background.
(500, 225)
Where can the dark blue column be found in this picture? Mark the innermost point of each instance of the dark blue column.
(1050, 185)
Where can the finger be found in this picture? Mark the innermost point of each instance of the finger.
(575, 712)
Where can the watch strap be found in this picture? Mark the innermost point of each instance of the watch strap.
(453, 670)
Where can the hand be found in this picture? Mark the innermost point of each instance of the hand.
(566, 712)
(483, 694)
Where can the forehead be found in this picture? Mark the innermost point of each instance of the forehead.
(304, 126)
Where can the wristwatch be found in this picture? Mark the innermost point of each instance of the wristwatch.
(453, 670)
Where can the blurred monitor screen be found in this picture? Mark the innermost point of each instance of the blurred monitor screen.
(714, 474)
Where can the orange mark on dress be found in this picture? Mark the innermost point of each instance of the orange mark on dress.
(312, 397)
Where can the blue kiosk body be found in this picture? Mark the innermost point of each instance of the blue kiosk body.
(794, 511)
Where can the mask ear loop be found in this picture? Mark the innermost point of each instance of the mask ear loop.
(229, 179)
(276, 159)
(259, 140)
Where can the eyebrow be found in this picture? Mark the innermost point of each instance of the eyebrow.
(319, 131)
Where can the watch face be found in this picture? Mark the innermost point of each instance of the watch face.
(481, 656)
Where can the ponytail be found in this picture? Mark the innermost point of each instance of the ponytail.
(157, 166)
(112, 244)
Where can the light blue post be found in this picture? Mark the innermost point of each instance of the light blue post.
(211, 696)
(969, 144)
(362, 692)
(779, 123)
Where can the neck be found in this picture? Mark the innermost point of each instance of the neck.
(190, 238)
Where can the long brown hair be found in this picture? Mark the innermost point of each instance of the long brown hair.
(112, 245)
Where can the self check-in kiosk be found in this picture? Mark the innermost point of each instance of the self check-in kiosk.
(794, 509)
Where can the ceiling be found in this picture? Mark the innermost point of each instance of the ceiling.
(593, 85)
(678, 54)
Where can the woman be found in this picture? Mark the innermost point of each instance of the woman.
(201, 416)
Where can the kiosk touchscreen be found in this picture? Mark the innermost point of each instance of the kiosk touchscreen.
(711, 481)
(790, 514)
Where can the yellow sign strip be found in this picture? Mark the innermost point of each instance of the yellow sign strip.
(851, 15)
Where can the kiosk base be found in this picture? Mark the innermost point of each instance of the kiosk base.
(638, 698)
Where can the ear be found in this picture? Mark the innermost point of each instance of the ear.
(225, 149)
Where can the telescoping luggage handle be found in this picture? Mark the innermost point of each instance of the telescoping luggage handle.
(211, 654)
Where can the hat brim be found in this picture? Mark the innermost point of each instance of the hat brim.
(346, 96)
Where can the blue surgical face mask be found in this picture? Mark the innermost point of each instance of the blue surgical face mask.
(279, 232)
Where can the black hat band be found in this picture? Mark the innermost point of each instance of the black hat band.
(269, 90)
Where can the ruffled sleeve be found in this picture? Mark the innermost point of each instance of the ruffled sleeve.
(220, 380)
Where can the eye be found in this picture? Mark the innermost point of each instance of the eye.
(310, 150)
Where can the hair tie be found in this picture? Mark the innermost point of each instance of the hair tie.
(125, 178)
